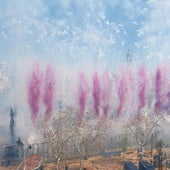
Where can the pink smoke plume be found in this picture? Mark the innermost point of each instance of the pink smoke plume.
(122, 94)
(49, 90)
(34, 91)
(168, 104)
(162, 84)
(167, 92)
(142, 88)
(158, 83)
(82, 95)
(96, 93)
(106, 93)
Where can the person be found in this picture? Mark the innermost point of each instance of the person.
(140, 152)
(20, 149)
(19, 142)
(66, 167)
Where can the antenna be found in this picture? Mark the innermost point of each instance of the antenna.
(129, 56)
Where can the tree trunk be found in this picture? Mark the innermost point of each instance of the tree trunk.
(81, 163)
(57, 163)
(57, 168)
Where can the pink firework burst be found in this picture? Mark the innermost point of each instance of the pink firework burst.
(82, 95)
(96, 93)
(158, 83)
(34, 91)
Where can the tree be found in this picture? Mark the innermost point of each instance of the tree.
(57, 132)
(91, 133)
(159, 145)
(142, 127)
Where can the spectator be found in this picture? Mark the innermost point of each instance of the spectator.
(19, 142)
(20, 149)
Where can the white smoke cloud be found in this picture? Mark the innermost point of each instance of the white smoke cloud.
(77, 35)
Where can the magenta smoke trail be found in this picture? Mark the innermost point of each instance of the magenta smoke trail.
(142, 88)
(34, 86)
(82, 95)
(96, 93)
(122, 94)
(49, 90)
(106, 92)
(158, 82)
(167, 92)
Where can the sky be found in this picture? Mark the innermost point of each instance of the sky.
(79, 35)
(75, 33)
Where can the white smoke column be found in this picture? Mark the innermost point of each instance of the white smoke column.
(142, 88)
(49, 90)
(96, 93)
(131, 91)
(106, 93)
(122, 90)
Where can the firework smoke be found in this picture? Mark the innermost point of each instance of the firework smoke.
(131, 91)
(142, 88)
(49, 90)
(162, 84)
(122, 94)
(131, 79)
(34, 86)
(106, 92)
(158, 82)
(96, 93)
(82, 95)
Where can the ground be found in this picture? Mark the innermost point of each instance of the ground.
(97, 162)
